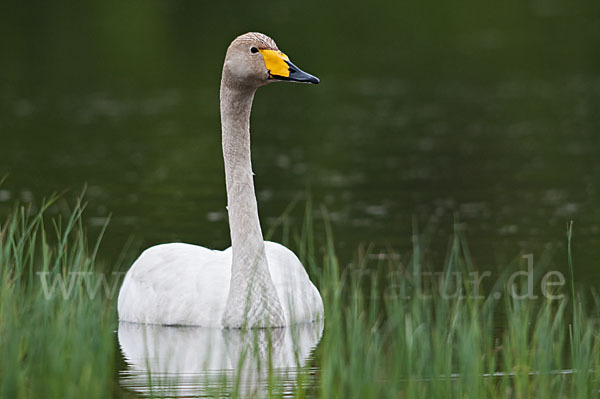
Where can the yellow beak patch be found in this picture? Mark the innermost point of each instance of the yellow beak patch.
(275, 61)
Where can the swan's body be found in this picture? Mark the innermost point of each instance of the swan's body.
(183, 284)
(254, 283)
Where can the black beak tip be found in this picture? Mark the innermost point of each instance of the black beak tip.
(304, 77)
(298, 75)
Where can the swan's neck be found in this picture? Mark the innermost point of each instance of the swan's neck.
(252, 300)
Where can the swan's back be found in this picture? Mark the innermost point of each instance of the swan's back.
(183, 284)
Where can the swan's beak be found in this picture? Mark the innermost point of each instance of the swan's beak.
(281, 68)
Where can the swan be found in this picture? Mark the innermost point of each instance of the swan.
(254, 283)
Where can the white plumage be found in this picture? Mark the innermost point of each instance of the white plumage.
(183, 284)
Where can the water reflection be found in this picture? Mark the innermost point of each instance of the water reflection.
(195, 361)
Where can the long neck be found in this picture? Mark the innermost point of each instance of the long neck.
(241, 199)
(252, 299)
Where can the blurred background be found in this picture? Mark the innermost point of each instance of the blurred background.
(482, 112)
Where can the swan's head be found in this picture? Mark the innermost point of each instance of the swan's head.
(253, 59)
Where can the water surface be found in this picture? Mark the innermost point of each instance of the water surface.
(486, 114)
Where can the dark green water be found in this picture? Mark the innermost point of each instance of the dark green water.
(426, 109)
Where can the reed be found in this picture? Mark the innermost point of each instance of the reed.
(391, 331)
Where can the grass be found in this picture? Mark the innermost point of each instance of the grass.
(391, 331)
(52, 347)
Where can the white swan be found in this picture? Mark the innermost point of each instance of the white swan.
(253, 283)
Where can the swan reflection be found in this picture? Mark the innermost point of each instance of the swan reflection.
(183, 361)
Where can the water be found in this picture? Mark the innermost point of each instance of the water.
(201, 362)
(484, 114)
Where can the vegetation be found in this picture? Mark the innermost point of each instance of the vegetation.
(387, 334)
(51, 347)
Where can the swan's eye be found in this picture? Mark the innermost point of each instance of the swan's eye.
(253, 50)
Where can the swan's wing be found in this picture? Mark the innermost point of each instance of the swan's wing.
(182, 284)
(299, 297)
(176, 284)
